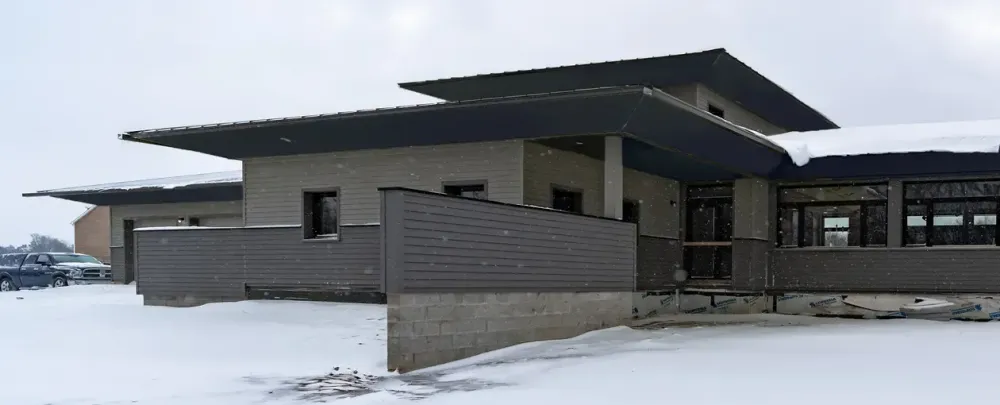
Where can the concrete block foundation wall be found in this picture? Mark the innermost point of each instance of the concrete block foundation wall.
(429, 329)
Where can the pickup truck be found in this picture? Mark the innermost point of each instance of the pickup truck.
(26, 270)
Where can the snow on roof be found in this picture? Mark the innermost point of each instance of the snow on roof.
(165, 183)
(956, 137)
(89, 208)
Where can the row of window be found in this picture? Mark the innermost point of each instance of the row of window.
(321, 208)
(935, 214)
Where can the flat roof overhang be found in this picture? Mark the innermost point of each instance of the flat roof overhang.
(152, 195)
(665, 135)
(716, 68)
(891, 165)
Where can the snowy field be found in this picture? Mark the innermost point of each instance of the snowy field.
(97, 345)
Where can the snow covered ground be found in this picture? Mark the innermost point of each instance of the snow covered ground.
(99, 345)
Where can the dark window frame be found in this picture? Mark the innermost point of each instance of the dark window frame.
(715, 195)
(638, 210)
(466, 183)
(308, 220)
(800, 210)
(968, 217)
(574, 190)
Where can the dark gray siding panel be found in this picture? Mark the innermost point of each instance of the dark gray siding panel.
(118, 264)
(941, 270)
(220, 262)
(750, 262)
(457, 244)
(656, 261)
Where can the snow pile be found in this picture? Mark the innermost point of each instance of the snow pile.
(98, 345)
(164, 183)
(955, 137)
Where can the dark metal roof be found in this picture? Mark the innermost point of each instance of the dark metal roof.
(672, 138)
(222, 186)
(715, 68)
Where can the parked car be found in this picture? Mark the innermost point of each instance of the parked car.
(26, 270)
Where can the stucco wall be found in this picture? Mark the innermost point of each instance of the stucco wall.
(657, 196)
(274, 186)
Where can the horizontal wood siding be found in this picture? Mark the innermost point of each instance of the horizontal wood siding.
(944, 270)
(118, 264)
(273, 186)
(657, 260)
(437, 243)
(219, 262)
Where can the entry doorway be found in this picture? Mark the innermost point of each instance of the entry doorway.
(129, 245)
(708, 244)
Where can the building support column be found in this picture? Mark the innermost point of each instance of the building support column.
(752, 233)
(894, 222)
(614, 189)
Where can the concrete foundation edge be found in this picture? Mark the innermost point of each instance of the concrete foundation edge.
(184, 301)
(968, 307)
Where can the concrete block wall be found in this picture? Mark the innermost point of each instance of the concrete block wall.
(429, 329)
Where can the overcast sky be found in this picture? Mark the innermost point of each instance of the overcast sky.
(75, 74)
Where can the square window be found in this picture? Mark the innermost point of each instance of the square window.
(716, 111)
(567, 200)
(833, 226)
(630, 211)
(470, 190)
(320, 214)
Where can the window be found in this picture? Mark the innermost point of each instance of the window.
(468, 190)
(710, 214)
(30, 259)
(567, 200)
(951, 213)
(708, 242)
(716, 111)
(194, 222)
(74, 258)
(630, 211)
(321, 211)
(833, 216)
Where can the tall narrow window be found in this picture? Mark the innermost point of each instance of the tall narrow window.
(320, 214)
(833, 216)
(567, 200)
(708, 241)
(951, 213)
(468, 190)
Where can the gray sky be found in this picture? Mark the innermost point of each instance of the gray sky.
(74, 74)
